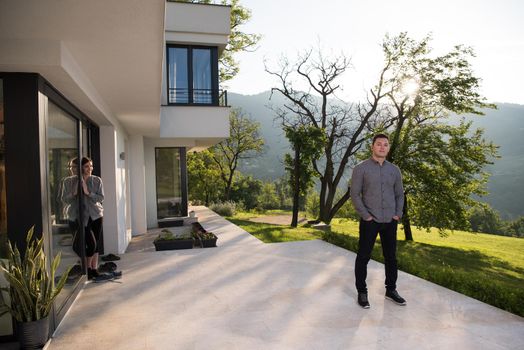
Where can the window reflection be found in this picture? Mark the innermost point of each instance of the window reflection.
(62, 141)
(168, 182)
(5, 320)
(3, 207)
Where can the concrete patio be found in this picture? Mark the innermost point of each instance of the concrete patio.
(249, 295)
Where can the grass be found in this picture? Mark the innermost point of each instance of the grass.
(269, 233)
(486, 267)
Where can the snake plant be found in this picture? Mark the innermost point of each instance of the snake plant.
(31, 287)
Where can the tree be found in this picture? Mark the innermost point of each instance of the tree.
(516, 228)
(345, 125)
(268, 198)
(283, 191)
(238, 40)
(484, 219)
(203, 178)
(246, 190)
(243, 143)
(443, 85)
(442, 163)
(307, 143)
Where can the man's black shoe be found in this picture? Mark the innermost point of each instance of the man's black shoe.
(363, 300)
(395, 297)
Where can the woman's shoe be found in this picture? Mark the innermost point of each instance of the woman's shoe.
(110, 257)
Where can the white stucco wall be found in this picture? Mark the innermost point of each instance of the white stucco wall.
(199, 25)
(113, 171)
(194, 122)
(137, 177)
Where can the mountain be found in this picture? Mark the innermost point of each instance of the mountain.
(503, 126)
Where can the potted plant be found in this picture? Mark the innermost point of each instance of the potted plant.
(167, 240)
(31, 290)
(209, 239)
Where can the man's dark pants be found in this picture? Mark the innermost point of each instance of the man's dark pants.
(368, 231)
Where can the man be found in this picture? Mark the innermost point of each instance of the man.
(378, 197)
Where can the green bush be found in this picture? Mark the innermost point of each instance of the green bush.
(227, 208)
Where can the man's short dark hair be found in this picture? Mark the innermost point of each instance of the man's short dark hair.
(379, 136)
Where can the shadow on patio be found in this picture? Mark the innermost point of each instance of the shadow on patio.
(245, 294)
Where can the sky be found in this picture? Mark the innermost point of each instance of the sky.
(356, 28)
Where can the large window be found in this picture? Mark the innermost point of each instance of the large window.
(3, 207)
(192, 75)
(5, 320)
(170, 182)
(63, 153)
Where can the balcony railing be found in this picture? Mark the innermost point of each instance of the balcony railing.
(202, 97)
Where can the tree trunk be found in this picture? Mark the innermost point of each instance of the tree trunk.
(296, 189)
(405, 220)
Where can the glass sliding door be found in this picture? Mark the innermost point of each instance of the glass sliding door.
(3, 206)
(63, 154)
(6, 327)
(202, 82)
(192, 75)
(178, 75)
(168, 183)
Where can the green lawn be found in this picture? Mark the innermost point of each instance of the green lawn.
(489, 268)
(269, 233)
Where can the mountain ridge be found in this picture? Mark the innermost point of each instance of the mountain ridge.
(503, 126)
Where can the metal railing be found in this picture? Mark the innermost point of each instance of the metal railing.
(209, 97)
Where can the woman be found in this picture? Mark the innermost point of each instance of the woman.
(92, 215)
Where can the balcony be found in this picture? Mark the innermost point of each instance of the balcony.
(199, 97)
(196, 119)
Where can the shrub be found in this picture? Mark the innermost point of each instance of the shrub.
(224, 208)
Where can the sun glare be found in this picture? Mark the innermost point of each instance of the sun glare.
(410, 88)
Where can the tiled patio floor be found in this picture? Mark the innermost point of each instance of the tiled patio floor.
(249, 295)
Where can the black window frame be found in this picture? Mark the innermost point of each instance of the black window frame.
(214, 75)
(183, 181)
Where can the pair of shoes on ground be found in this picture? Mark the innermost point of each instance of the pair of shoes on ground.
(390, 295)
(96, 276)
(110, 257)
(107, 267)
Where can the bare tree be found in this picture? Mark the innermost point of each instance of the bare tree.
(346, 126)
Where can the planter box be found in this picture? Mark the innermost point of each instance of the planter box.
(173, 244)
(208, 243)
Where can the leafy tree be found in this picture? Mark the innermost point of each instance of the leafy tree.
(307, 143)
(312, 205)
(422, 144)
(246, 191)
(204, 183)
(516, 228)
(238, 40)
(268, 198)
(284, 193)
(442, 164)
(243, 143)
(485, 219)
